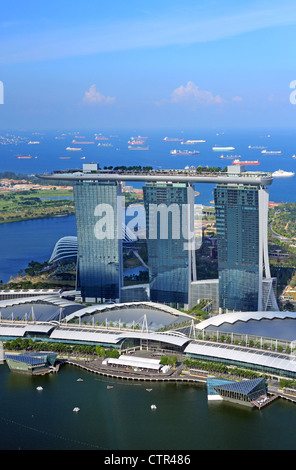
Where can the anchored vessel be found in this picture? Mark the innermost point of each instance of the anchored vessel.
(223, 149)
(271, 152)
(282, 173)
(184, 152)
(245, 162)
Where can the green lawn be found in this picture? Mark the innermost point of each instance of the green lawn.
(25, 205)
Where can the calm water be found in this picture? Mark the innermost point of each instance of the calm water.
(22, 242)
(50, 151)
(120, 418)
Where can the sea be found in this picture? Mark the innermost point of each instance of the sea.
(120, 418)
(111, 148)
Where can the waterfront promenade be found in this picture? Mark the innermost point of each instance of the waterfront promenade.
(175, 374)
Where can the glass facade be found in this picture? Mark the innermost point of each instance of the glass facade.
(169, 224)
(99, 272)
(246, 391)
(238, 238)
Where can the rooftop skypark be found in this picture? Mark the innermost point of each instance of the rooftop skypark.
(231, 175)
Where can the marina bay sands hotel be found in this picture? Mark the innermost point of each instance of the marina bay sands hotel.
(241, 207)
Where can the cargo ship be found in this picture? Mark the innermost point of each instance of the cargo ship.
(184, 152)
(131, 147)
(73, 149)
(257, 147)
(271, 152)
(168, 139)
(24, 156)
(223, 149)
(246, 162)
(192, 142)
(75, 142)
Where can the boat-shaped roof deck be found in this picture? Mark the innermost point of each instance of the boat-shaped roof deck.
(165, 176)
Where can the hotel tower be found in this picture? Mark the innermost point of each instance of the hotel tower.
(245, 283)
(99, 260)
(170, 241)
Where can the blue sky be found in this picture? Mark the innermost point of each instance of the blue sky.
(115, 63)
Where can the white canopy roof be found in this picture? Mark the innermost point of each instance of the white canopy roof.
(234, 317)
(134, 361)
(243, 355)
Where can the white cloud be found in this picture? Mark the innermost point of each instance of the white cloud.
(92, 96)
(191, 94)
(237, 99)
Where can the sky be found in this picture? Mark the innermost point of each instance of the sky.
(166, 63)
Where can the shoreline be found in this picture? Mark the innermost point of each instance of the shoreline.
(47, 216)
(200, 380)
(128, 375)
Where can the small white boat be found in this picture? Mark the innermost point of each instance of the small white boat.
(148, 389)
(153, 407)
(76, 409)
(39, 388)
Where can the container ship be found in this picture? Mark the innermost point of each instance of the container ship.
(184, 152)
(246, 162)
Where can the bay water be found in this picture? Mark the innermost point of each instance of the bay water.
(120, 418)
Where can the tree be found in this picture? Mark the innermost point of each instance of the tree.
(100, 351)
